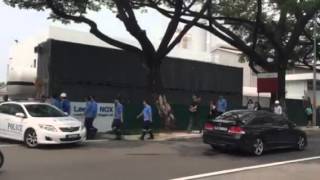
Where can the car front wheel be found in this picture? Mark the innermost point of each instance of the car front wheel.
(258, 147)
(31, 139)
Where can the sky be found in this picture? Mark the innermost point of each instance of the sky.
(20, 24)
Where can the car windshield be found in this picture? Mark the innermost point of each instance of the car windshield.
(43, 110)
(239, 116)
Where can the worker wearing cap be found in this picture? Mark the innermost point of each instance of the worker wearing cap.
(277, 108)
(65, 103)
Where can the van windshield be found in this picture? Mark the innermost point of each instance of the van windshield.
(43, 110)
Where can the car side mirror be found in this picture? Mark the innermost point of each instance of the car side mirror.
(20, 115)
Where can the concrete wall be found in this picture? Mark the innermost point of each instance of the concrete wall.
(296, 89)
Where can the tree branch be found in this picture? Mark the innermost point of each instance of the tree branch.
(93, 28)
(258, 21)
(172, 26)
(298, 30)
(127, 16)
(184, 31)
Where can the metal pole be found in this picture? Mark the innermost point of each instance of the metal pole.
(314, 91)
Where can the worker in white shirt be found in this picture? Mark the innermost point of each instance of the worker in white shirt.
(277, 109)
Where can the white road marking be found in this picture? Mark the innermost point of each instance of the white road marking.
(246, 168)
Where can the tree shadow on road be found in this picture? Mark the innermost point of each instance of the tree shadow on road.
(8, 141)
(90, 145)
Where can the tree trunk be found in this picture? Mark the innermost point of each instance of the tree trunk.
(281, 84)
(156, 90)
(281, 91)
(155, 85)
(281, 95)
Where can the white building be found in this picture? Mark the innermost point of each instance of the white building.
(299, 86)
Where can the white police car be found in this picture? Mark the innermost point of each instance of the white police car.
(39, 123)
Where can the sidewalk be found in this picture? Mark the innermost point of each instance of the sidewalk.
(310, 130)
(162, 136)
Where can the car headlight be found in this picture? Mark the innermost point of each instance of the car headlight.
(48, 127)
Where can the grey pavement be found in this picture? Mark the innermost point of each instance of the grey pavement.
(133, 160)
(180, 135)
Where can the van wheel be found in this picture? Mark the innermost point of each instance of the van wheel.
(258, 147)
(31, 139)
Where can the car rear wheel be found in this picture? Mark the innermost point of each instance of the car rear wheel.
(1, 159)
(31, 139)
(301, 144)
(258, 147)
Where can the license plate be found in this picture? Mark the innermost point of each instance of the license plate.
(220, 128)
(73, 135)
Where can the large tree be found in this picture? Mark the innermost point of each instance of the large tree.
(77, 10)
(273, 34)
(125, 10)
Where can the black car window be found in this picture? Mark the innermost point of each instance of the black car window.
(5, 108)
(248, 118)
(15, 108)
(241, 117)
(261, 121)
(280, 121)
(43, 110)
(11, 109)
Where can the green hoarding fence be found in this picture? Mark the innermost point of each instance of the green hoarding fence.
(181, 113)
(131, 123)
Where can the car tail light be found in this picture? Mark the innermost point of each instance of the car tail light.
(208, 126)
(236, 130)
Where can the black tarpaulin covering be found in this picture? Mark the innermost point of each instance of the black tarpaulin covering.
(82, 70)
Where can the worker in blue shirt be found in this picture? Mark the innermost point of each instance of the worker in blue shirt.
(55, 101)
(118, 119)
(90, 112)
(65, 103)
(147, 120)
(222, 105)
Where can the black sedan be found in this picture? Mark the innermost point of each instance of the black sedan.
(253, 131)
